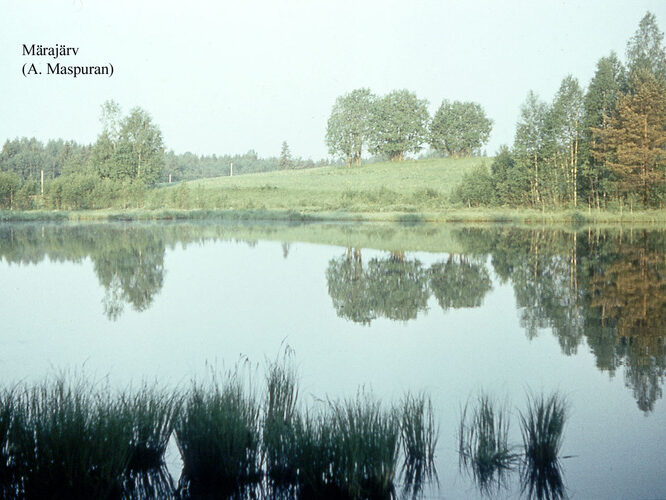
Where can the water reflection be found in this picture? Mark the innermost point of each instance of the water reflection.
(605, 289)
(459, 282)
(131, 269)
(398, 288)
(128, 259)
(153, 483)
(489, 459)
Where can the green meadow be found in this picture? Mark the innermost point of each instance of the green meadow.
(405, 187)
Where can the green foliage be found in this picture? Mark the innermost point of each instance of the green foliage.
(348, 127)
(130, 148)
(511, 180)
(459, 128)
(567, 128)
(399, 125)
(645, 50)
(9, 186)
(530, 144)
(475, 189)
(607, 84)
(633, 144)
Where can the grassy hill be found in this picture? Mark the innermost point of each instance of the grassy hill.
(408, 186)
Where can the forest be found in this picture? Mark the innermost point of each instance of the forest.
(602, 147)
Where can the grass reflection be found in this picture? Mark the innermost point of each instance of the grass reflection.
(542, 427)
(486, 454)
(483, 444)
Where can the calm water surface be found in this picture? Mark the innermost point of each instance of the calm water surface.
(451, 310)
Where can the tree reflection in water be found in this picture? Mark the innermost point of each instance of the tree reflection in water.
(398, 288)
(602, 287)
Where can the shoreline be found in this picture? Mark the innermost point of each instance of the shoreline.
(456, 215)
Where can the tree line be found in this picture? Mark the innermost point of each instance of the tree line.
(127, 158)
(398, 123)
(600, 147)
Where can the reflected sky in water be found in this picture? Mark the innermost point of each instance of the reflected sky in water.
(446, 309)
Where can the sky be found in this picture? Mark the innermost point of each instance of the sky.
(225, 77)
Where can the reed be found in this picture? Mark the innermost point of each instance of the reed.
(71, 438)
(483, 444)
(279, 436)
(367, 438)
(419, 435)
(316, 456)
(542, 427)
(151, 413)
(69, 441)
(219, 437)
(348, 450)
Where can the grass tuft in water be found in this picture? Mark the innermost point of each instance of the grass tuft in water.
(279, 434)
(218, 435)
(483, 444)
(69, 441)
(349, 451)
(419, 440)
(316, 456)
(151, 414)
(367, 438)
(542, 427)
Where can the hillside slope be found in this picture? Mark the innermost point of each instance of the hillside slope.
(406, 186)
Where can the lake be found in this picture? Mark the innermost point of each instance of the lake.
(452, 310)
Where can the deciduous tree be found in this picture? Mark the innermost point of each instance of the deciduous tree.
(531, 142)
(348, 127)
(567, 116)
(399, 125)
(646, 49)
(459, 128)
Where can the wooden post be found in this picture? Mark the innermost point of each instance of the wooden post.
(231, 169)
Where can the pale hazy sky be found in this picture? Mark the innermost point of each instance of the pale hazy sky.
(225, 77)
